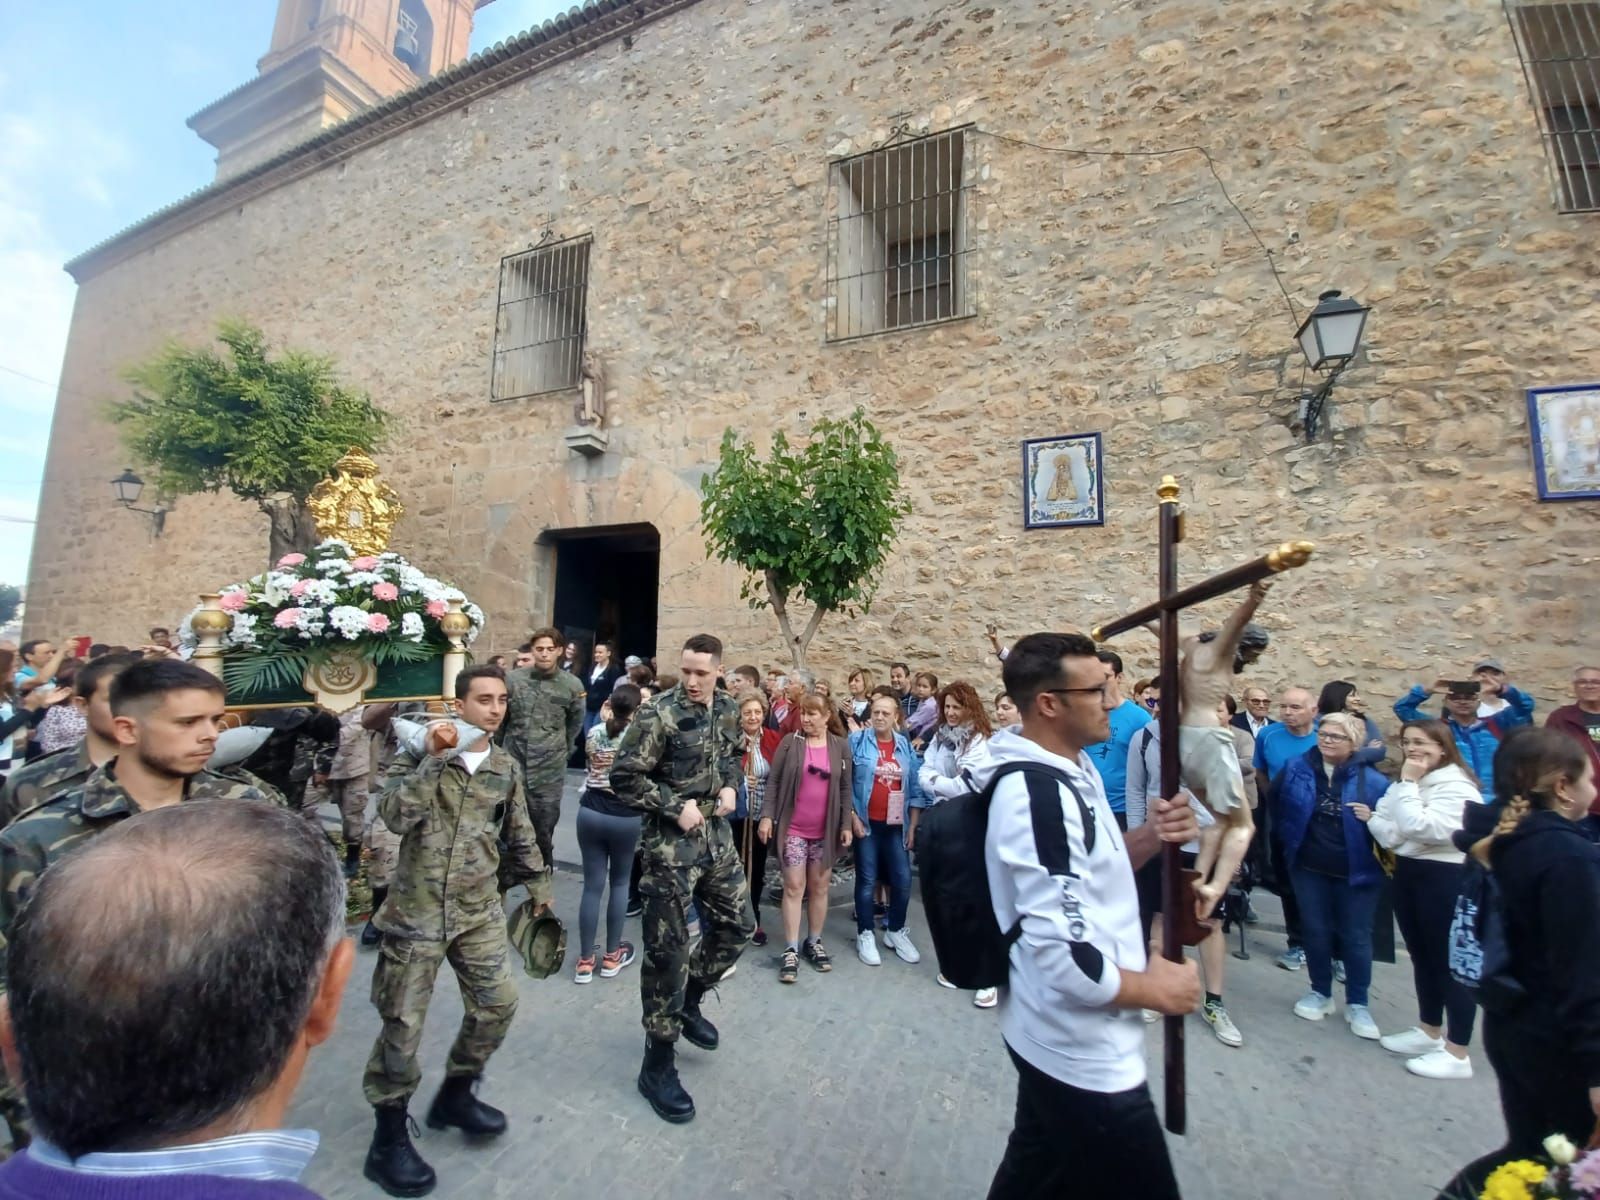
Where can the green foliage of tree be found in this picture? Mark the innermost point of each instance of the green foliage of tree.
(814, 524)
(10, 601)
(266, 428)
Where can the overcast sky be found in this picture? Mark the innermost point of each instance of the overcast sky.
(93, 99)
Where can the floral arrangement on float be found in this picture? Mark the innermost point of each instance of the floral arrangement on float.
(331, 604)
(1570, 1174)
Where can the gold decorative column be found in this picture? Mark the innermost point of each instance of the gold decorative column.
(456, 625)
(209, 624)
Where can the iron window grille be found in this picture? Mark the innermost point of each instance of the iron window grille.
(897, 237)
(1559, 43)
(541, 320)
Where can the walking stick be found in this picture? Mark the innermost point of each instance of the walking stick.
(1179, 925)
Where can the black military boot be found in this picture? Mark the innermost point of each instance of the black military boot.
(658, 1083)
(696, 1028)
(456, 1107)
(392, 1161)
(352, 860)
(370, 936)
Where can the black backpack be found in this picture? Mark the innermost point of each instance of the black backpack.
(1479, 950)
(973, 951)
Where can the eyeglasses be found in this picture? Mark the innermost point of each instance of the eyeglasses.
(1330, 736)
(1586, 682)
(1257, 702)
(819, 772)
(1100, 691)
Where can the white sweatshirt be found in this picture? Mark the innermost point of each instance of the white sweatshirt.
(1079, 930)
(1415, 820)
(951, 759)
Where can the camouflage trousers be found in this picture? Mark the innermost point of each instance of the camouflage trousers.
(703, 868)
(543, 790)
(349, 796)
(383, 851)
(402, 985)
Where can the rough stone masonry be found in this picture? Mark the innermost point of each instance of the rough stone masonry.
(1385, 147)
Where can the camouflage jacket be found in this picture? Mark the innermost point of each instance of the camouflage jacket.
(543, 717)
(450, 825)
(31, 785)
(50, 831)
(677, 751)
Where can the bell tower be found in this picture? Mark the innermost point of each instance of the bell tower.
(329, 60)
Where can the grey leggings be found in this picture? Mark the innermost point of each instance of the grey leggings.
(606, 843)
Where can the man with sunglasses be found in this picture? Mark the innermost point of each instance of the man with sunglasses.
(1257, 712)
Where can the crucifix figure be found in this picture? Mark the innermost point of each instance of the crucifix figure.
(1202, 665)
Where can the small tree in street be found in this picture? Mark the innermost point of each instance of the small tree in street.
(267, 429)
(813, 524)
(10, 601)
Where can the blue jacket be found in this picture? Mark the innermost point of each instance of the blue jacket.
(1478, 741)
(864, 752)
(1356, 783)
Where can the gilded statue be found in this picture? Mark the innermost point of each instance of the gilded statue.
(355, 505)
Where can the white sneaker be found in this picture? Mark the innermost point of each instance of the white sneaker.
(1361, 1023)
(1440, 1064)
(899, 940)
(1410, 1043)
(943, 982)
(1222, 1025)
(867, 948)
(1313, 1006)
(986, 998)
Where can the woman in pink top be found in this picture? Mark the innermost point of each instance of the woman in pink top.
(807, 806)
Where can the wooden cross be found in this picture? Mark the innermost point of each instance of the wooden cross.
(1179, 928)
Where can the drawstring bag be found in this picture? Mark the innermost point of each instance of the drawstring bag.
(1480, 955)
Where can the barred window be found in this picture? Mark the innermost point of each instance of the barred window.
(1559, 41)
(897, 237)
(542, 321)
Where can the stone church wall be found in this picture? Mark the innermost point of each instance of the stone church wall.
(1387, 148)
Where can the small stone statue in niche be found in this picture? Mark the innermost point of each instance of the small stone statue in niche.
(591, 406)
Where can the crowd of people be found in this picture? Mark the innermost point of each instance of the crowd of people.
(701, 783)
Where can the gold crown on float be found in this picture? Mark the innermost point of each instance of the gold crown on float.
(355, 505)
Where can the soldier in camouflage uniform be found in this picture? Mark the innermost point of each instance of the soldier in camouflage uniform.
(678, 764)
(166, 714)
(451, 808)
(542, 726)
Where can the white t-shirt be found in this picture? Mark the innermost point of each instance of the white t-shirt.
(472, 759)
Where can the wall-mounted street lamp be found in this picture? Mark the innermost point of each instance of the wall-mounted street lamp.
(128, 488)
(1329, 338)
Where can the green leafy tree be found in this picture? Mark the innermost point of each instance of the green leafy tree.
(813, 524)
(10, 601)
(266, 428)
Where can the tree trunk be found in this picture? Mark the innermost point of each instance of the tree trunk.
(798, 643)
(291, 529)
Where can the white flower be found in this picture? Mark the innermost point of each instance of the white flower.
(186, 635)
(349, 622)
(474, 614)
(334, 566)
(320, 591)
(311, 622)
(364, 578)
(1561, 1151)
(411, 626)
(451, 593)
(243, 632)
(337, 544)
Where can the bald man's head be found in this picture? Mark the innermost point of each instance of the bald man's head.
(161, 977)
(1297, 708)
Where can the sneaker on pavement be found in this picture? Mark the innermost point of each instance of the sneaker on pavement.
(899, 940)
(814, 954)
(1410, 1043)
(1440, 1064)
(867, 948)
(788, 967)
(613, 962)
(1313, 1006)
(585, 970)
(635, 908)
(1292, 959)
(986, 998)
(1361, 1023)
(759, 937)
(1338, 970)
(1222, 1025)
(943, 982)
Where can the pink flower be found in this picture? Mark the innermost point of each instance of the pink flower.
(436, 608)
(286, 618)
(378, 623)
(366, 562)
(299, 589)
(385, 591)
(291, 560)
(233, 601)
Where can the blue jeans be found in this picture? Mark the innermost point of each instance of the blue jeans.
(882, 853)
(1330, 907)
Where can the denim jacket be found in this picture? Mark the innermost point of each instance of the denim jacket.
(864, 751)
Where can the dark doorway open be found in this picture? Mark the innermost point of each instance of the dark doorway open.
(606, 583)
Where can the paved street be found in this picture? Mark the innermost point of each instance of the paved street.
(875, 1082)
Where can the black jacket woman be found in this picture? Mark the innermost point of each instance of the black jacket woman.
(1545, 1046)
